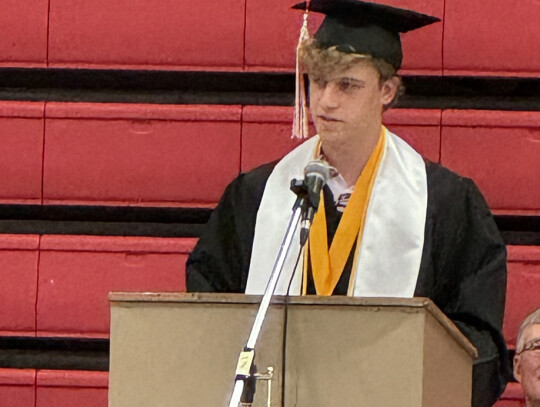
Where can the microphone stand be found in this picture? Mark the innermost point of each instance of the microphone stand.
(244, 379)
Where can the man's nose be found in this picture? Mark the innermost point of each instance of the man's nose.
(329, 97)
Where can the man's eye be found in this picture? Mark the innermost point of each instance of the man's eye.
(345, 86)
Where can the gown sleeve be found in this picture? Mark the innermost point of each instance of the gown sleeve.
(468, 275)
(220, 260)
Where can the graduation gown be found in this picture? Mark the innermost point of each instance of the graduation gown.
(462, 270)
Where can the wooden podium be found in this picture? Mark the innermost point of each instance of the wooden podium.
(175, 350)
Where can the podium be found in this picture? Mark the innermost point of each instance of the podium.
(180, 349)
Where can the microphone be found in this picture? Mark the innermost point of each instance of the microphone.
(316, 174)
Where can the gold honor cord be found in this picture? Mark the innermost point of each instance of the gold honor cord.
(327, 265)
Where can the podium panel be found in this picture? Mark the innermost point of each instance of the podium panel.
(182, 349)
(170, 354)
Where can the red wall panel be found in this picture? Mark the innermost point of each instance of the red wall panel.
(77, 272)
(18, 274)
(71, 388)
(266, 135)
(499, 151)
(17, 387)
(272, 31)
(272, 34)
(140, 154)
(149, 33)
(421, 128)
(21, 151)
(496, 37)
(266, 132)
(24, 33)
(523, 288)
(512, 397)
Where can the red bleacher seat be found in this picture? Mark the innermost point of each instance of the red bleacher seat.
(76, 274)
(139, 154)
(24, 33)
(523, 288)
(21, 151)
(512, 396)
(421, 128)
(266, 134)
(57, 388)
(272, 33)
(18, 274)
(17, 387)
(499, 150)
(498, 39)
(199, 34)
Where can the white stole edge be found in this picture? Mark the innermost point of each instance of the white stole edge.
(272, 220)
(391, 248)
(395, 223)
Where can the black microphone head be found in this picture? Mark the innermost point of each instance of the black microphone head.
(316, 174)
(320, 169)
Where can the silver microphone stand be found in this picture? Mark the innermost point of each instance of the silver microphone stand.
(245, 361)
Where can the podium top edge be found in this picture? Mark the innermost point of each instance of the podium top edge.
(230, 298)
(119, 298)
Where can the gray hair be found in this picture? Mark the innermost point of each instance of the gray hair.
(532, 319)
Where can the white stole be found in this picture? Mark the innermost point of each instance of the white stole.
(393, 238)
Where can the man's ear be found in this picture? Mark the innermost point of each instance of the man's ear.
(389, 90)
(517, 368)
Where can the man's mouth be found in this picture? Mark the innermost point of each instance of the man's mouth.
(328, 118)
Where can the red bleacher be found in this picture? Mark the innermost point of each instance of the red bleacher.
(24, 33)
(523, 287)
(266, 134)
(18, 274)
(151, 34)
(76, 273)
(146, 154)
(491, 38)
(57, 388)
(52, 388)
(499, 151)
(421, 128)
(18, 388)
(21, 151)
(512, 397)
(255, 35)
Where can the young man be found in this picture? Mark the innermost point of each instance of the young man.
(527, 359)
(390, 224)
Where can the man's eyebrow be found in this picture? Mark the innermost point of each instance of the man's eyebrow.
(351, 79)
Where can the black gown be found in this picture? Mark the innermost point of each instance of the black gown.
(463, 266)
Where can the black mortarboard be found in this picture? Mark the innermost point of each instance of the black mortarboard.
(360, 27)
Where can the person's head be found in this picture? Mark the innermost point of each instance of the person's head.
(527, 359)
(352, 62)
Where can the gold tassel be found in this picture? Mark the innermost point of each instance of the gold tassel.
(300, 122)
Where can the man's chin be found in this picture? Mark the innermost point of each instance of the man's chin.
(329, 133)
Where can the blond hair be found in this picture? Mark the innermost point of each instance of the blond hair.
(321, 62)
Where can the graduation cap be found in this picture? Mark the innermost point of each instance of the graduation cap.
(360, 27)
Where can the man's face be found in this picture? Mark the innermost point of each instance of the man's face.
(347, 103)
(527, 365)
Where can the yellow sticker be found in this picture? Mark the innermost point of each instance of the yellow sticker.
(244, 363)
